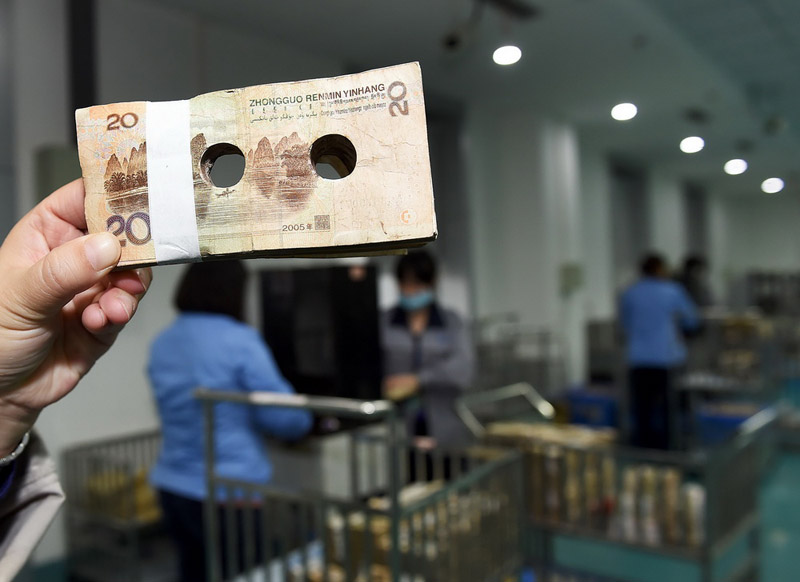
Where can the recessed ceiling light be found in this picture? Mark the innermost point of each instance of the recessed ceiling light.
(772, 185)
(507, 55)
(692, 145)
(735, 167)
(624, 111)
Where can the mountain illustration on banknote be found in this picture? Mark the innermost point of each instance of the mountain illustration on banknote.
(283, 172)
(125, 182)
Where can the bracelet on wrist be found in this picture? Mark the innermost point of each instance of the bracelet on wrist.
(11, 457)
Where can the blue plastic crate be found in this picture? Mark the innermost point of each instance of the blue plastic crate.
(593, 406)
(718, 422)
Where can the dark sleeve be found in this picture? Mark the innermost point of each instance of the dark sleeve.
(7, 478)
(258, 372)
(30, 503)
(687, 312)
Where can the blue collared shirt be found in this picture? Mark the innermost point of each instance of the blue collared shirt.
(653, 311)
(218, 352)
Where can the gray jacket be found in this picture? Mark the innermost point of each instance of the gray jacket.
(28, 508)
(443, 359)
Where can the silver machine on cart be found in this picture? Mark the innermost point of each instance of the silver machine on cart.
(458, 520)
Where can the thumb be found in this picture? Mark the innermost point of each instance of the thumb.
(67, 271)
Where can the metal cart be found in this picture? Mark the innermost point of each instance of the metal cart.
(459, 521)
(738, 363)
(113, 522)
(775, 293)
(508, 351)
(600, 511)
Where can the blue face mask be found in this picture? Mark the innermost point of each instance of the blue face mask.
(419, 300)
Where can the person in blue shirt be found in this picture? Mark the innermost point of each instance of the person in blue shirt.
(208, 345)
(654, 312)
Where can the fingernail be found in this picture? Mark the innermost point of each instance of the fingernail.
(128, 304)
(145, 276)
(102, 251)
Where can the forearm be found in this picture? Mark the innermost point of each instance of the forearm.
(289, 424)
(452, 372)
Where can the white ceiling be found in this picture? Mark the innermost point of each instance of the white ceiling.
(736, 59)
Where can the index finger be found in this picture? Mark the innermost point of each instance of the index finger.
(67, 204)
(57, 219)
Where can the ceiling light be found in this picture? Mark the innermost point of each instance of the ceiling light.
(623, 111)
(735, 167)
(772, 185)
(507, 55)
(692, 145)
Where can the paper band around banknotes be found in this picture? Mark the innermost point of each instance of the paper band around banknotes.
(148, 180)
(169, 164)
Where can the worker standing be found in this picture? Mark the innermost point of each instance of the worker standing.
(654, 312)
(694, 278)
(428, 359)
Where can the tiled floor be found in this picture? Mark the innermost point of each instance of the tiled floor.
(780, 517)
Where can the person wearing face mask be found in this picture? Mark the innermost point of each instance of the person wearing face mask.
(428, 357)
(694, 279)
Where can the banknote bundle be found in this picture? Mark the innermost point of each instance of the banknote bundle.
(147, 170)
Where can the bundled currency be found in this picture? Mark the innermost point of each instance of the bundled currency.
(147, 170)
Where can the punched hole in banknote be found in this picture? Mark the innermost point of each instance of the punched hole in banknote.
(333, 156)
(222, 165)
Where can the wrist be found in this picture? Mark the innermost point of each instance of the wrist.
(14, 423)
(8, 460)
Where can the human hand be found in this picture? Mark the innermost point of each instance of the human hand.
(424, 443)
(400, 386)
(61, 308)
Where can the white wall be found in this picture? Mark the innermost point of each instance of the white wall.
(508, 220)
(666, 210)
(751, 233)
(454, 245)
(758, 232)
(562, 159)
(40, 88)
(630, 223)
(183, 54)
(719, 270)
(524, 196)
(596, 225)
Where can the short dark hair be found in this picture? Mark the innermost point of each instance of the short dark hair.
(652, 264)
(694, 262)
(419, 265)
(213, 287)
